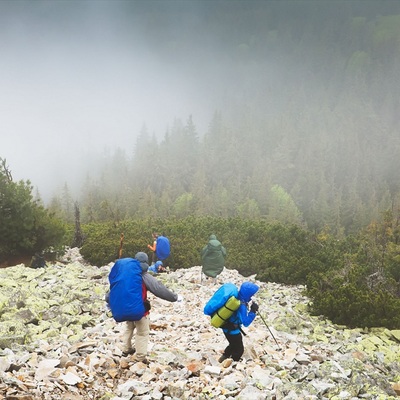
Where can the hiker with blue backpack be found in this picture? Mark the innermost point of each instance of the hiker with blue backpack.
(230, 317)
(161, 247)
(157, 267)
(129, 284)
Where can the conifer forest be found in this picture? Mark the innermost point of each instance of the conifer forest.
(308, 132)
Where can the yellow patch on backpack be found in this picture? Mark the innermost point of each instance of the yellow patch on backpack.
(225, 312)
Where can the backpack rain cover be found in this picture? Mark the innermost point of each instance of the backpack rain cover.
(213, 257)
(220, 297)
(163, 248)
(126, 301)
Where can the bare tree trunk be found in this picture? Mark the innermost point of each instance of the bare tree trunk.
(78, 238)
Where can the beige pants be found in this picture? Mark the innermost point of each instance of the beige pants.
(141, 336)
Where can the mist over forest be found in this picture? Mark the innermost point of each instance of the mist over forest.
(281, 110)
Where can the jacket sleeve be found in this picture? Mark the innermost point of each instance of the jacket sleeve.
(158, 289)
(246, 318)
(223, 251)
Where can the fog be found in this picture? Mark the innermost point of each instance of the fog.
(81, 76)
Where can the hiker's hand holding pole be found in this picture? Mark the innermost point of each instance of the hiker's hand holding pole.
(254, 307)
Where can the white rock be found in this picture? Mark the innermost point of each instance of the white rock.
(70, 379)
(212, 370)
(45, 368)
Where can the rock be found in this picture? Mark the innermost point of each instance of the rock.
(70, 378)
(5, 364)
(209, 369)
(227, 363)
(45, 368)
(396, 388)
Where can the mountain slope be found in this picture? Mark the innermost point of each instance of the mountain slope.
(72, 351)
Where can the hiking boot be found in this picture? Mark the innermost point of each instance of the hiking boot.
(222, 358)
(143, 360)
(128, 353)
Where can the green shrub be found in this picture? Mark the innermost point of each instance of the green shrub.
(274, 251)
(336, 272)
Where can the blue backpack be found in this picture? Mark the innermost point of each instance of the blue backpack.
(220, 297)
(126, 299)
(163, 248)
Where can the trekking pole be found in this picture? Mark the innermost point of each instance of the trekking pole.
(263, 320)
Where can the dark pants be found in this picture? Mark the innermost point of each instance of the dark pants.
(235, 348)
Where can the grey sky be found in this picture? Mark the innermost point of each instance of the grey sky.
(77, 76)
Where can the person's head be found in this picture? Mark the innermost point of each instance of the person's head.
(247, 291)
(155, 235)
(213, 237)
(143, 259)
(159, 263)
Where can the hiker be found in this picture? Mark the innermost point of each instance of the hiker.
(157, 267)
(153, 247)
(213, 258)
(38, 261)
(232, 329)
(151, 284)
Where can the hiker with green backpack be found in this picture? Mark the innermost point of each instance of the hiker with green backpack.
(231, 316)
(213, 257)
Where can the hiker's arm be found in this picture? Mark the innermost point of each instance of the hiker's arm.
(158, 289)
(223, 251)
(247, 318)
(152, 248)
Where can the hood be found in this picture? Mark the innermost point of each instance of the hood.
(214, 243)
(158, 263)
(143, 259)
(247, 290)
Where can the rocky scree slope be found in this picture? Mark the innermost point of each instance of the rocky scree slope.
(58, 341)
